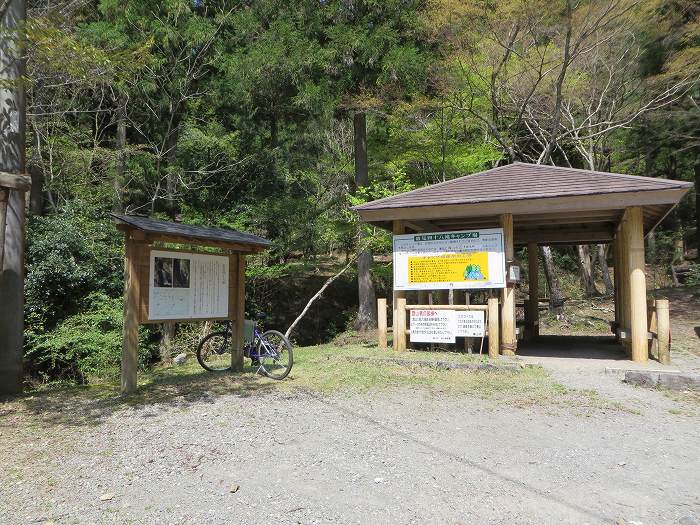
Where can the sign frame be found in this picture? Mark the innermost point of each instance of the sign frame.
(456, 243)
(146, 280)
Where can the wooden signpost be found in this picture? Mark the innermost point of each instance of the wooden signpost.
(164, 284)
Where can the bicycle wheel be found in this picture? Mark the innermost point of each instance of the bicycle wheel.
(214, 352)
(275, 354)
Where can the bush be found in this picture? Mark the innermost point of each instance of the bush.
(85, 345)
(69, 255)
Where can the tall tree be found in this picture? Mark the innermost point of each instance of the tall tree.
(367, 309)
(381, 57)
(12, 161)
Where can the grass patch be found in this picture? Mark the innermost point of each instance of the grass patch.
(325, 369)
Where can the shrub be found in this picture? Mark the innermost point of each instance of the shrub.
(69, 255)
(85, 345)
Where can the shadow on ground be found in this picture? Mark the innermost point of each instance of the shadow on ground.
(91, 405)
(573, 347)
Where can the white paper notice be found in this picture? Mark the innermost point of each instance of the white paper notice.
(187, 286)
(433, 326)
(469, 324)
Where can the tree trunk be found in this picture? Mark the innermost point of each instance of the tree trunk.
(697, 206)
(36, 172)
(556, 299)
(166, 343)
(586, 267)
(604, 269)
(172, 174)
(12, 160)
(120, 165)
(367, 308)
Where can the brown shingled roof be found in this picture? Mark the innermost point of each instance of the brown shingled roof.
(519, 181)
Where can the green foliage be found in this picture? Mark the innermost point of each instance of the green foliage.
(69, 256)
(85, 345)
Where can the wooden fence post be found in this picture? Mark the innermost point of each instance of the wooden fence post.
(468, 341)
(493, 327)
(663, 331)
(381, 323)
(400, 328)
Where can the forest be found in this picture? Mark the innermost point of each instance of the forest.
(275, 117)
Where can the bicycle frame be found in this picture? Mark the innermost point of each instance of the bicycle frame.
(256, 343)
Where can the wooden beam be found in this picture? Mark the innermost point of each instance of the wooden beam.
(398, 228)
(15, 181)
(493, 327)
(130, 330)
(565, 235)
(400, 328)
(236, 247)
(461, 307)
(663, 331)
(508, 336)
(239, 311)
(532, 310)
(637, 279)
(421, 226)
(381, 323)
(616, 283)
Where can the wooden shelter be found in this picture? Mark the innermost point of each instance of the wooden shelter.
(546, 205)
(142, 236)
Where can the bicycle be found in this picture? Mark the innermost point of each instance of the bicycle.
(270, 351)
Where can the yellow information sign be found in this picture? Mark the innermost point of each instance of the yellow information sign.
(449, 268)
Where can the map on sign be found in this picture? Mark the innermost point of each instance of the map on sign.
(461, 259)
(187, 286)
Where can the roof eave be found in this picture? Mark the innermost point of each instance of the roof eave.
(616, 200)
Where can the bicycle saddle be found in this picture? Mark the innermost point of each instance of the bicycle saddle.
(260, 315)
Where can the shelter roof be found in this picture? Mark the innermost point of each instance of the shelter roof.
(583, 206)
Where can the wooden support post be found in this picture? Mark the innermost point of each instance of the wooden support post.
(508, 339)
(422, 296)
(532, 309)
(400, 328)
(238, 326)
(493, 327)
(398, 229)
(616, 282)
(637, 284)
(130, 330)
(663, 331)
(622, 280)
(468, 341)
(381, 323)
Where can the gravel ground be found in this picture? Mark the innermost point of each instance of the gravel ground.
(397, 456)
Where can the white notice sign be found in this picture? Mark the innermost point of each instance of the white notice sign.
(469, 324)
(467, 259)
(187, 286)
(433, 326)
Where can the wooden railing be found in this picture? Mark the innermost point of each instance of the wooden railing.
(400, 331)
(658, 331)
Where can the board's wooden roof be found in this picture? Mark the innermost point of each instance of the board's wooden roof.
(178, 232)
(520, 181)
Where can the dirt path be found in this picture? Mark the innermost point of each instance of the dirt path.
(400, 456)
